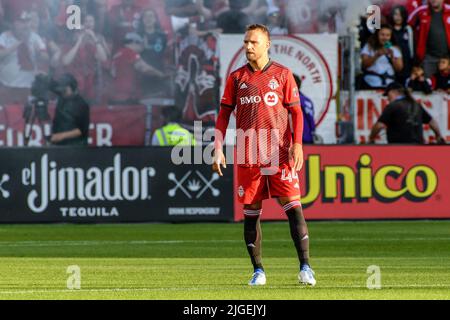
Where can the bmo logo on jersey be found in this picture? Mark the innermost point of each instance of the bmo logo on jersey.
(271, 99)
(250, 100)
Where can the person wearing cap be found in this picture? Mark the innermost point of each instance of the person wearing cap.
(127, 64)
(403, 118)
(72, 118)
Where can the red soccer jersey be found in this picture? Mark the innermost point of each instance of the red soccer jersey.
(262, 100)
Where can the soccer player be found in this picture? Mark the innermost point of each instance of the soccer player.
(263, 93)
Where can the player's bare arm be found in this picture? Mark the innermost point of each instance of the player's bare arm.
(296, 150)
(296, 156)
(221, 127)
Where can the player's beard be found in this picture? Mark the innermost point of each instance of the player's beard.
(252, 57)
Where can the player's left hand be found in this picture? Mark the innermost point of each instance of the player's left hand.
(219, 160)
(296, 156)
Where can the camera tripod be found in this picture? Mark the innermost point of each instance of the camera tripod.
(35, 112)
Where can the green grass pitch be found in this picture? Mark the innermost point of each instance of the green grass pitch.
(209, 261)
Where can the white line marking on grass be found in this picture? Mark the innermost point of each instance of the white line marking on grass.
(92, 290)
(51, 243)
(218, 288)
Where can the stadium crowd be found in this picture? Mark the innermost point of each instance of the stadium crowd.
(126, 49)
(129, 50)
(412, 47)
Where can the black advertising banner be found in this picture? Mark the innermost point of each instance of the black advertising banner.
(109, 185)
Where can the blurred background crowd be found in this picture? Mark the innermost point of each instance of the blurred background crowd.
(130, 50)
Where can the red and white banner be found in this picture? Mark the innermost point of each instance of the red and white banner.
(314, 58)
(369, 182)
(110, 126)
(369, 105)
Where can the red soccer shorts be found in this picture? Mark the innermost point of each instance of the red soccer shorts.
(256, 184)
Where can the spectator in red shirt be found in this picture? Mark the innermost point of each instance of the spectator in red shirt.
(21, 52)
(85, 57)
(432, 26)
(127, 65)
(61, 9)
(123, 19)
(101, 13)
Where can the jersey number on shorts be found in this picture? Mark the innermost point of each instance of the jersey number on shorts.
(290, 176)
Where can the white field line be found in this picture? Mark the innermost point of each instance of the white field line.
(219, 288)
(51, 243)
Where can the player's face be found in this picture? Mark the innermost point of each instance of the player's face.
(256, 45)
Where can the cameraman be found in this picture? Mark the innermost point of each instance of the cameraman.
(403, 118)
(71, 122)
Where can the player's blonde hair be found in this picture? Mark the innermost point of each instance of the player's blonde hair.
(261, 27)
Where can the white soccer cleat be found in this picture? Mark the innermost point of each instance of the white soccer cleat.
(258, 278)
(306, 276)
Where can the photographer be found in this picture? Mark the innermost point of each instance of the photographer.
(71, 122)
(381, 60)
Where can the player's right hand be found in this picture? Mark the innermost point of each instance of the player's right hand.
(219, 160)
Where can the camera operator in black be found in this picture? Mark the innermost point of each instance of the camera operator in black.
(71, 122)
(403, 118)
